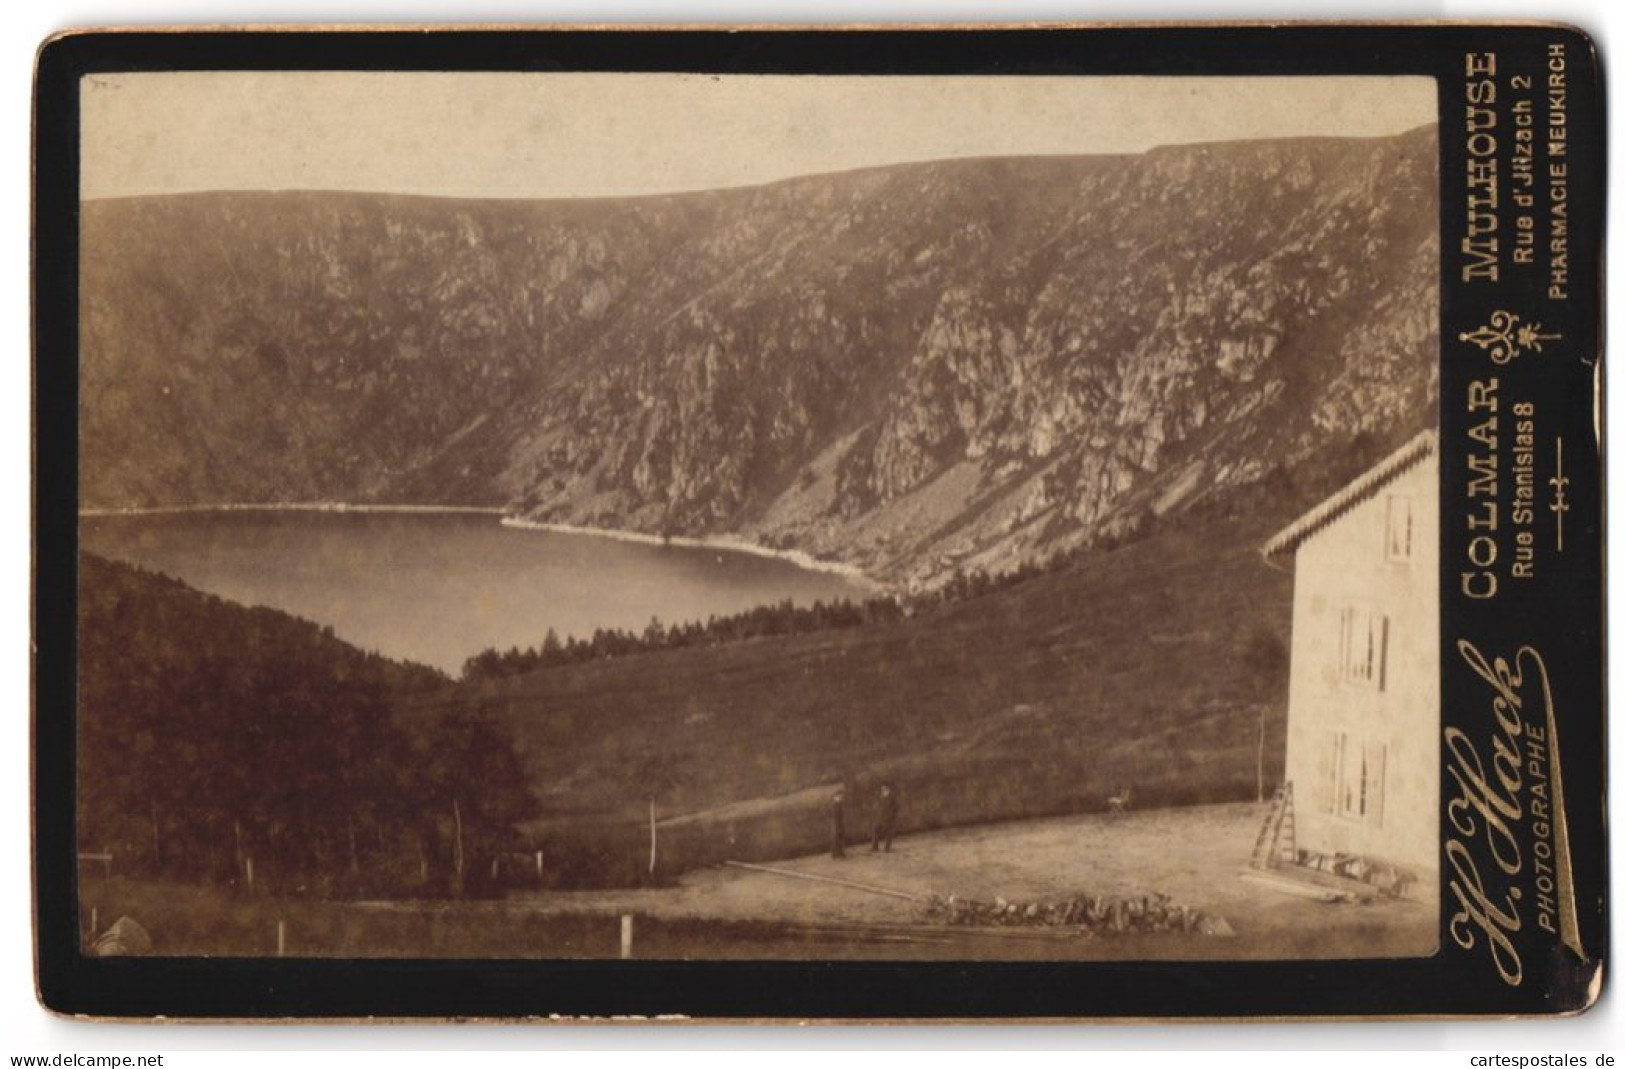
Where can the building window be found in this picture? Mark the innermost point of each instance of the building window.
(1363, 647)
(1400, 530)
(1326, 773)
(1354, 774)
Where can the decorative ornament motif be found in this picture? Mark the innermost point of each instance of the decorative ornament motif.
(1560, 501)
(1505, 340)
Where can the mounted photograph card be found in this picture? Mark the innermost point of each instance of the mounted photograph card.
(842, 524)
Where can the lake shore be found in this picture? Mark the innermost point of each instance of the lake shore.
(725, 543)
(293, 506)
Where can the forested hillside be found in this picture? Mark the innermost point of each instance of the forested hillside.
(212, 736)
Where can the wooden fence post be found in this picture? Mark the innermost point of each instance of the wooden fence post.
(1261, 713)
(457, 821)
(653, 837)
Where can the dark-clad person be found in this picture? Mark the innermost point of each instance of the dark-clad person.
(837, 824)
(885, 818)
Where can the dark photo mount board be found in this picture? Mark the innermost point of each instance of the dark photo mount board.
(1522, 867)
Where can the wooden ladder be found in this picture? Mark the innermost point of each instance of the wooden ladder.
(1287, 837)
(1278, 838)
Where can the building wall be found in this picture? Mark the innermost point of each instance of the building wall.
(1363, 720)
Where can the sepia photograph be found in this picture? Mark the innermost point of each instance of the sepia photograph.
(728, 516)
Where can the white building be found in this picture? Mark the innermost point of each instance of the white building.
(1362, 752)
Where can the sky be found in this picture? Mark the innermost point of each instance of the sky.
(575, 135)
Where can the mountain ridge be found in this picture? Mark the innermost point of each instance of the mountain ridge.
(863, 169)
(910, 369)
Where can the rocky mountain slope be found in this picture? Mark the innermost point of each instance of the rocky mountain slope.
(912, 368)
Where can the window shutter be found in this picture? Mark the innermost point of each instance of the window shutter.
(1376, 762)
(1382, 657)
(1330, 758)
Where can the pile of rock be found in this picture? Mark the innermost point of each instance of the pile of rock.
(1385, 878)
(1087, 913)
(124, 937)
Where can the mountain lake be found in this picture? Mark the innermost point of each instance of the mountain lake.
(439, 587)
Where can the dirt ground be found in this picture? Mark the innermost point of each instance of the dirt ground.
(1197, 856)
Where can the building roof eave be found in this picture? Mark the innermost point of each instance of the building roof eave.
(1366, 485)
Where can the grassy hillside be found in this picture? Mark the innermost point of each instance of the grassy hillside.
(1149, 665)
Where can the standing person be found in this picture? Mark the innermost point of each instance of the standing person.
(885, 818)
(837, 824)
